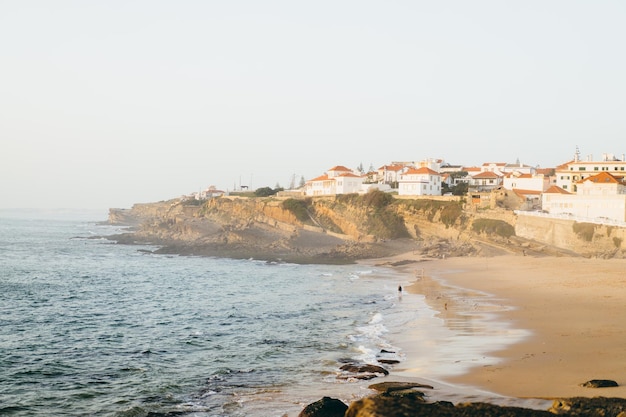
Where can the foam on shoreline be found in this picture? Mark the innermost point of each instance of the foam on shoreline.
(559, 316)
(452, 330)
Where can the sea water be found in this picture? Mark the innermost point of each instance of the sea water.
(89, 327)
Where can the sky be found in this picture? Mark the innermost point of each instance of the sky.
(111, 103)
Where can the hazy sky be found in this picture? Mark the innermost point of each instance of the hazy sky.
(109, 103)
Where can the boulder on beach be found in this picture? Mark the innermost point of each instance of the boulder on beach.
(326, 407)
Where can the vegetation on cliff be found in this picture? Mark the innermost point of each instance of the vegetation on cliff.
(375, 214)
(449, 213)
(584, 231)
(341, 228)
(493, 227)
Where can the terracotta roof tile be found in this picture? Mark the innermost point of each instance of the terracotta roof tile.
(422, 170)
(391, 167)
(340, 168)
(605, 178)
(556, 190)
(320, 178)
(526, 192)
(486, 174)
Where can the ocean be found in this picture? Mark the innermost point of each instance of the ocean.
(89, 327)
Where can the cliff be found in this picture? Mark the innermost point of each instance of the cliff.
(345, 228)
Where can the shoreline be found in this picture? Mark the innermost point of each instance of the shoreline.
(570, 309)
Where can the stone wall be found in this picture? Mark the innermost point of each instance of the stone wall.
(603, 240)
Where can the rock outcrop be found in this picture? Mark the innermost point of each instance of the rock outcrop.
(411, 403)
(336, 229)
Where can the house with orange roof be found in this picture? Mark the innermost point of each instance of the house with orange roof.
(337, 180)
(569, 174)
(419, 181)
(600, 196)
(496, 167)
(348, 183)
(472, 170)
(389, 174)
(535, 182)
(485, 181)
(530, 199)
(338, 170)
(603, 184)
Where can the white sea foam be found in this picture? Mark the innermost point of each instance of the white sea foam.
(247, 326)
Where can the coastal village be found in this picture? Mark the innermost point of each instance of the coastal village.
(582, 189)
(551, 240)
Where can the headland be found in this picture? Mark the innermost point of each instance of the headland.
(570, 303)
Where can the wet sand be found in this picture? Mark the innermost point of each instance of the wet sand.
(566, 315)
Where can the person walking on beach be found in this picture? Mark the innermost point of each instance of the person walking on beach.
(400, 291)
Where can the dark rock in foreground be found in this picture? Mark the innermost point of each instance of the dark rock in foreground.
(597, 406)
(414, 405)
(375, 369)
(326, 407)
(599, 383)
(361, 371)
(400, 400)
(391, 387)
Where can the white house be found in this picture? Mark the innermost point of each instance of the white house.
(485, 181)
(495, 167)
(569, 174)
(420, 181)
(338, 170)
(516, 181)
(388, 174)
(322, 185)
(337, 180)
(430, 163)
(348, 183)
(598, 196)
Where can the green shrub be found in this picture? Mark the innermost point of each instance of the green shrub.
(450, 213)
(349, 199)
(298, 208)
(386, 224)
(617, 242)
(377, 199)
(266, 191)
(193, 202)
(584, 231)
(493, 227)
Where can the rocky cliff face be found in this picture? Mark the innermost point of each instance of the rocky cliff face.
(586, 239)
(345, 228)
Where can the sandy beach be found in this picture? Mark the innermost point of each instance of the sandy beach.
(571, 311)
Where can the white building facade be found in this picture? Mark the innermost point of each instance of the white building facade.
(337, 180)
(602, 196)
(526, 182)
(571, 173)
(420, 181)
